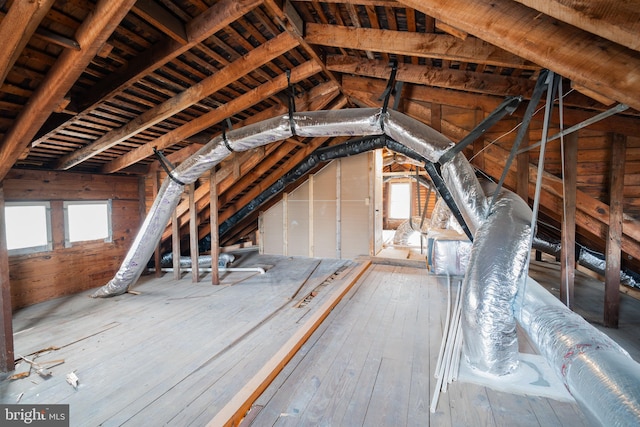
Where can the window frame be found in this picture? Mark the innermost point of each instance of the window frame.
(67, 226)
(32, 249)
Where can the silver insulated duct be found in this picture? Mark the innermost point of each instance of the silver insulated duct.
(496, 268)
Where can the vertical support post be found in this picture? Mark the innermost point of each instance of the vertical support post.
(436, 116)
(613, 251)
(213, 221)
(339, 208)
(311, 218)
(568, 247)
(175, 243)
(7, 358)
(155, 182)
(522, 171)
(285, 224)
(193, 234)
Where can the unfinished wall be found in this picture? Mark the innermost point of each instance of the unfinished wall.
(330, 215)
(40, 276)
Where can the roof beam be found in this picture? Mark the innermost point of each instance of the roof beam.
(16, 28)
(618, 21)
(433, 76)
(214, 117)
(200, 28)
(244, 65)
(600, 65)
(92, 34)
(362, 86)
(440, 46)
(159, 17)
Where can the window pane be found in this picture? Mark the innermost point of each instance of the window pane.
(26, 226)
(399, 206)
(87, 221)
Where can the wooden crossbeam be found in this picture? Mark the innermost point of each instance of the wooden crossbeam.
(596, 63)
(254, 59)
(91, 35)
(156, 15)
(214, 117)
(440, 46)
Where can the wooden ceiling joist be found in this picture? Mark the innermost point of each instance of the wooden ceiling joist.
(596, 63)
(155, 14)
(91, 35)
(442, 46)
(254, 59)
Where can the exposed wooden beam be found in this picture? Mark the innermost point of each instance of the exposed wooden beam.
(618, 21)
(618, 123)
(160, 18)
(568, 232)
(16, 28)
(244, 65)
(433, 76)
(213, 225)
(57, 39)
(199, 29)
(596, 63)
(441, 46)
(91, 35)
(613, 256)
(193, 234)
(214, 117)
(7, 358)
(175, 244)
(157, 255)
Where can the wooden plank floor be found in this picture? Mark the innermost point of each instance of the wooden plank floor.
(372, 364)
(172, 355)
(178, 352)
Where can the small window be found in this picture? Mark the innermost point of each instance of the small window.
(85, 221)
(28, 227)
(399, 200)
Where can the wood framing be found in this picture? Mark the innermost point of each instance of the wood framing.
(614, 241)
(193, 234)
(213, 220)
(6, 325)
(568, 233)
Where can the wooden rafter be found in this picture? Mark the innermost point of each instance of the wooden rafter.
(618, 21)
(153, 13)
(254, 59)
(91, 35)
(16, 28)
(214, 117)
(441, 46)
(200, 28)
(596, 63)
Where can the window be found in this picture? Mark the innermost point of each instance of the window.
(399, 200)
(86, 221)
(28, 227)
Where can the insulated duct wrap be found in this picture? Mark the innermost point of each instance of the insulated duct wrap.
(599, 374)
(365, 121)
(496, 267)
(466, 190)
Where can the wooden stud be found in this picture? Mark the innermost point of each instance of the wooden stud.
(193, 234)
(614, 245)
(568, 233)
(522, 171)
(7, 362)
(436, 117)
(155, 180)
(175, 243)
(213, 221)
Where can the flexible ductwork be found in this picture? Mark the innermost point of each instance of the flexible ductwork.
(599, 374)
(489, 326)
(498, 259)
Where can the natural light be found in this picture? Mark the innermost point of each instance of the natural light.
(26, 226)
(399, 207)
(87, 221)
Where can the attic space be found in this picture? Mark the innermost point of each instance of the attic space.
(339, 213)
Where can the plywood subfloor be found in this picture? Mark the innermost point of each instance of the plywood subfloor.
(372, 363)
